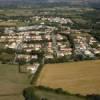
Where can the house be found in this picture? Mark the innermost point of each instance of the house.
(49, 56)
(33, 68)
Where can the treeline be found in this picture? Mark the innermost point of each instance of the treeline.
(29, 93)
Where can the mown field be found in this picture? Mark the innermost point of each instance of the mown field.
(77, 77)
(12, 82)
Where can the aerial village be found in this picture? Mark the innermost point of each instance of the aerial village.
(42, 44)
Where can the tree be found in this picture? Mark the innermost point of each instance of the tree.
(29, 94)
(20, 62)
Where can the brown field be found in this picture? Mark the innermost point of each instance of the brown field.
(78, 77)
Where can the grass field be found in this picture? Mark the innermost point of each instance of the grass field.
(77, 77)
(7, 24)
(54, 96)
(12, 82)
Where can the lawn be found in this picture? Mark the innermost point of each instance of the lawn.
(12, 82)
(77, 77)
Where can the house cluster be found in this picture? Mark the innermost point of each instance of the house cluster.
(64, 49)
(34, 27)
(30, 41)
(60, 46)
(54, 19)
(86, 45)
(31, 47)
(10, 41)
(49, 52)
(26, 57)
(95, 45)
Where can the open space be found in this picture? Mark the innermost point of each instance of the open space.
(13, 83)
(77, 77)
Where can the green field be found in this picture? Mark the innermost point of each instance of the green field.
(12, 82)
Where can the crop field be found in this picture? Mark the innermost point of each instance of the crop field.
(77, 77)
(12, 82)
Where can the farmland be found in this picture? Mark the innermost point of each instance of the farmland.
(77, 77)
(12, 83)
